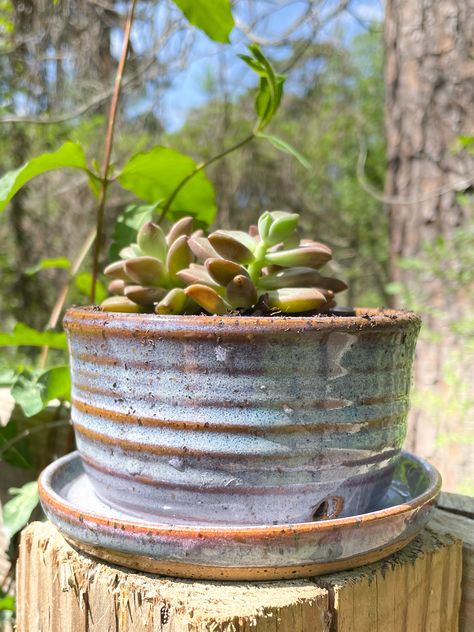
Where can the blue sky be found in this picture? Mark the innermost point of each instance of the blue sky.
(207, 59)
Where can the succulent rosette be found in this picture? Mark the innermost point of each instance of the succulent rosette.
(185, 272)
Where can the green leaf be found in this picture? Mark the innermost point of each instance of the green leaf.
(154, 175)
(17, 454)
(44, 264)
(268, 98)
(83, 283)
(7, 603)
(127, 225)
(214, 17)
(34, 391)
(7, 377)
(24, 336)
(17, 511)
(282, 145)
(465, 140)
(69, 155)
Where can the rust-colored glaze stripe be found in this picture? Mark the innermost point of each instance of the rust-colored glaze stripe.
(247, 490)
(204, 426)
(237, 573)
(253, 490)
(135, 446)
(194, 402)
(89, 321)
(253, 533)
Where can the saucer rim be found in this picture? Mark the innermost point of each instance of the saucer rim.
(53, 502)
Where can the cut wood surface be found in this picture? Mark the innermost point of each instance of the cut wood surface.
(63, 590)
(456, 516)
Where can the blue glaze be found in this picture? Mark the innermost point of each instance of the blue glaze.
(239, 420)
(70, 502)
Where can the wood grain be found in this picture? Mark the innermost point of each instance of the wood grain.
(63, 590)
(461, 527)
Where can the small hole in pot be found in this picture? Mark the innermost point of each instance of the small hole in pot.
(328, 508)
(321, 511)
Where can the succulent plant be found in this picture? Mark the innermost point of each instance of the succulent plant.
(146, 276)
(270, 267)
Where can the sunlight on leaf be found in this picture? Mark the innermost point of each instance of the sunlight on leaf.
(69, 155)
(127, 225)
(24, 336)
(83, 283)
(44, 264)
(270, 89)
(154, 175)
(33, 391)
(214, 17)
(17, 511)
(282, 145)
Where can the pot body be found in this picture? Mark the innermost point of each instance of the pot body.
(240, 420)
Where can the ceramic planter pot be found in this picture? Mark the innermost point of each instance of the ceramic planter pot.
(240, 420)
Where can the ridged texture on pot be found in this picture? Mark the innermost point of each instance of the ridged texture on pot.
(233, 552)
(240, 420)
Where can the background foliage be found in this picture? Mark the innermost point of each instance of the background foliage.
(183, 91)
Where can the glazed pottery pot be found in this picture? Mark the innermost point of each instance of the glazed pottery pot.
(240, 420)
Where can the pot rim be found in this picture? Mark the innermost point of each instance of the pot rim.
(92, 318)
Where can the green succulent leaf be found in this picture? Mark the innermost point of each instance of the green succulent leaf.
(144, 296)
(173, 302)
(284, 146)
(214, 17)
(179, 257)
(153, 176)
(45, 264)
(69, 155)
(264, 223)
(311, 256)
(283, 225)
(223, 271)
(120, 304)
(196, 274)
(34, 390)
(146, 270)
(207, 298)
(83, 283)
(241, 292)
(230, 247)
(24, 336)
(152, 241)
(17, 511)
(294, 300)
(183, 226)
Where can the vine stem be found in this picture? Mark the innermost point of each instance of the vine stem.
(200, 167)
(58, 305)
(29, 431)
(109, 140)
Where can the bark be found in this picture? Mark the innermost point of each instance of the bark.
(429, 74)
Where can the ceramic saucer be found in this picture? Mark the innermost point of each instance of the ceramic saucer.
(239, 553)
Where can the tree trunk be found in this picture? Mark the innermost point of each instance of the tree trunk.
(429, 74)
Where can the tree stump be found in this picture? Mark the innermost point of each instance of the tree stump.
(63, 590)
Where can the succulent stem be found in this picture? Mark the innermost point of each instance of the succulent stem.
(255, 268)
